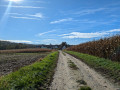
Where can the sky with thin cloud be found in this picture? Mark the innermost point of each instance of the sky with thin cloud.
(56, 21)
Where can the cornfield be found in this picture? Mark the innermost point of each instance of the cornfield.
(108, 48)
(25, 51)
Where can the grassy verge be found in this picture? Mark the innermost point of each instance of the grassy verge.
(63, 53)
(72, 65)
(112, 69)
(35, 76)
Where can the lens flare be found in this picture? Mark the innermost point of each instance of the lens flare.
(5, 16)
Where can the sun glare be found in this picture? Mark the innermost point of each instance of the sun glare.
(15, 0)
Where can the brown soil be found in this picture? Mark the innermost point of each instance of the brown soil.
(12, 62)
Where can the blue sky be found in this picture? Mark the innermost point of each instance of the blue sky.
(55, 21)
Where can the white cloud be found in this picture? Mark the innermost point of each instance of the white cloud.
(24, 17)
(14, 13)
(18, 41)
(35, 16)
(38, 15)
(15, 0)
(89, 11)
(83, 35)
(88, 35)
(22, 6)
(62, 20)
(37, 1)
(87, 21)
(48, 41)
(114, 30)
(114, 15)
(40, 34)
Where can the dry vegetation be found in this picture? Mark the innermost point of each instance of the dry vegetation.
(37, 50)
(108, 48)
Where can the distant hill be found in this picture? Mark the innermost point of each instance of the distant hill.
(4, 45)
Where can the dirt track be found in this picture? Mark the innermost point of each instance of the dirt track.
(66, 78)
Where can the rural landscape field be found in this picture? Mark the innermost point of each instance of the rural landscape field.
(59, 45)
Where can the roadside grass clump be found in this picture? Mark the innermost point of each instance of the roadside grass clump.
(112, 69)
(81, 82)
(72, 65)
(33, 77)
(85, 88)
(64, 54)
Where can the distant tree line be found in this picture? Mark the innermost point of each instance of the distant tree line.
(6, 45)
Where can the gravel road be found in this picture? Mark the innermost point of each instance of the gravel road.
(66, 78)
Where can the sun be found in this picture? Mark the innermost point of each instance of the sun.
(15, 0)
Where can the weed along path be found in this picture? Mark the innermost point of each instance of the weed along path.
(72, 74)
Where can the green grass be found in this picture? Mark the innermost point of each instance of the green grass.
(35, 76)
(85, 88)
(72, 65)
(64, 54)
(104, 65)
(81, 82)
